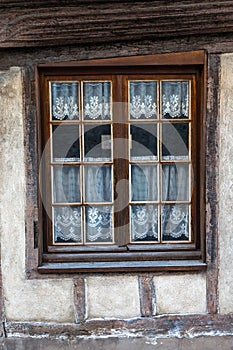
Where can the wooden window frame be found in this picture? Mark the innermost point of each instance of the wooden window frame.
(122, 257)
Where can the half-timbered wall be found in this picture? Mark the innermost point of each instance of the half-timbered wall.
(37, 32)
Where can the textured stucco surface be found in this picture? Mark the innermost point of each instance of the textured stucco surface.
(226, 186)
(113, 297)
(51, 300)
(41, 300)
(179, 294)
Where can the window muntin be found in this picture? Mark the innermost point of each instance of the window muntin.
(164, 211)
(156, 137)
(153, 178)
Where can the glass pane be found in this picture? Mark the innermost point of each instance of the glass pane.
(66, 184)
(99, 227)
(144, 142)
(175, 184)
(97, 100)
(98, 183)
(64, 100)
(175, 99)
(175, 222)
(65, 145)
(97, 143)
(143, 99)
(175, 138)
(143, 182)
(144, 223)
(67, 224)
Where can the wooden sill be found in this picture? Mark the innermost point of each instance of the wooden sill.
(123, 266)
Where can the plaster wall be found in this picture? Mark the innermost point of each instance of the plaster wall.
(226, 186)
(52, 300)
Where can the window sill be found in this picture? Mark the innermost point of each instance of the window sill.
(123, 266)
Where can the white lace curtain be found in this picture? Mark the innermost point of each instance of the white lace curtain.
(143, 100)
(98, 188)
(97, 100)
(144, 187)
(175, 187)
(175, 99)
(144, 178)
(64, 101)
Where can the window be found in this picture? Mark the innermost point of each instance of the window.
(122, 164)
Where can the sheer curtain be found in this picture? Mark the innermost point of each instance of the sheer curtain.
(143, 100)
(175, 99)
(145, 184)
(175, 177)
(97, 100)
(98, 189)
(64, 101)
(175, 187)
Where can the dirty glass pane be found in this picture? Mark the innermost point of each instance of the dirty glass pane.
(144, 182)
(144, 223)
(64, 101)
(175, 99)
(66, 184)
(143, 99)
(143, 142)
(97, 143)
(99, 224)
(97, 100)
(175, 182)
(98, 183)
(65, 143)
(175, 139)
(67, 224)
(175, 222)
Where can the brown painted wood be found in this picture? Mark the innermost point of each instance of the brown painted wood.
(184, 325)
(79, 299)
(166, 59)
(146, 256)
(122, 266)
(212, 181)
(138, 256)
(40, 23)
(147, 296)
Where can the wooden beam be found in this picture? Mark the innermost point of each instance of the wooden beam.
(52, 23)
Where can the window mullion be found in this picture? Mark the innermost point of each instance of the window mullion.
(121, 163)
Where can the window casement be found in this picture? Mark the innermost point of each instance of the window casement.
(122, 164)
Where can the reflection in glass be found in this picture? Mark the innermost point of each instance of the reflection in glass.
(99, 226)
(144, 223)
(144, 182)
(97, 100)
(175, 138)
(98, 183)
(97, 143)
(65, 144)
(67, 224)
(175, 222)
(144, 142)
(64, 99)
(66, 184)
(143, 99)
(175, 99)
(175, 182)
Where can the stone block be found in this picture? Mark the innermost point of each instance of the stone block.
(113, 297)
(180, 293)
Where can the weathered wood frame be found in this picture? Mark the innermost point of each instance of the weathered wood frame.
(167, 257)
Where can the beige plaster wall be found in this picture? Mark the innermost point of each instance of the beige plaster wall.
(226, 186)
(51, 300)
(44, 300)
